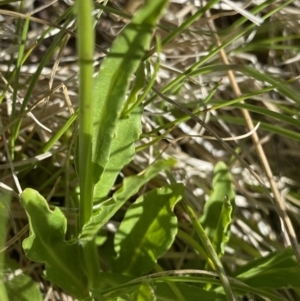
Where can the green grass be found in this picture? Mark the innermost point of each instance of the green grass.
(114, 154)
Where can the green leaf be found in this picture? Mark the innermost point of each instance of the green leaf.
(19, 287)
(113, 285)
(285, 89)
(277, 270)
(122, 152)
(46, 244)
(22, 288)
(214, 220)
(130, 186)
(222, 233)
(144, 293)
(113, 79)
(111, 280)
(147, 230)
(138, 85)
(5, 213)
(190, 293)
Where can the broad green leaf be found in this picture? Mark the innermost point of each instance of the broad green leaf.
(111, 280)
(19, 287)
(128, 130)
(147, 230)
(4, 216)
(130, 186)
(222, 189)
(145, 292)
(221, 236)
(46, 244)
(113, 79)
(277, 270)
(189, 292)
(22, 288)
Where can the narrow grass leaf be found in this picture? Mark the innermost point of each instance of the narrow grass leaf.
(46, 244)
(55, 137)
(185, 284)
(18, 67)
(256, 20)
(277, 270)
(238, 286)
(185, 25)
(152, 76)
(147, 230)
(282, 86)
(273, 128)
(138, 85)
(269, 113)
(130, 187)
(33, 81)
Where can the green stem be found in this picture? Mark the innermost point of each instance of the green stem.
(85, 46)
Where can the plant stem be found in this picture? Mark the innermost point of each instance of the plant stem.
(85, 48)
